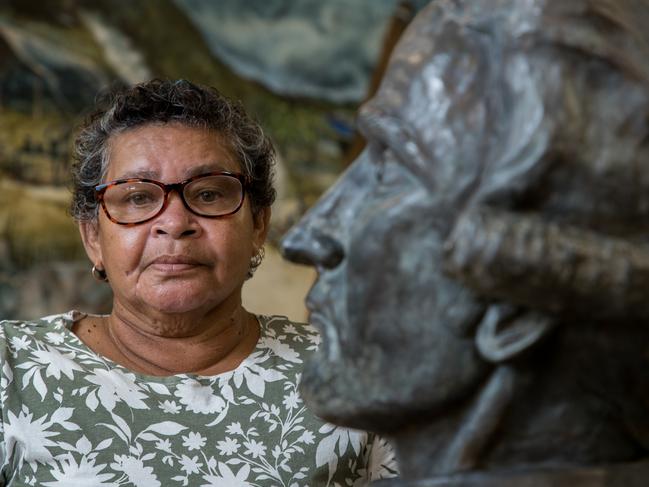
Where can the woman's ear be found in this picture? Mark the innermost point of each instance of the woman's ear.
(506, 331)
(261, 222)
(89, 231)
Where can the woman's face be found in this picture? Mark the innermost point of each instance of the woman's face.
(178, 262)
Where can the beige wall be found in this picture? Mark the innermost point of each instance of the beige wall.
(278, 287)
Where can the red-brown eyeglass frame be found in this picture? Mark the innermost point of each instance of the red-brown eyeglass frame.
(168, 188)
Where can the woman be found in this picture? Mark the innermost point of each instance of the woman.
(179, 385)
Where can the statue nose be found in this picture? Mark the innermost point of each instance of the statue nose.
(312, 247)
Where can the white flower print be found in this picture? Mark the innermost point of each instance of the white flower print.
(28, 330)
(169, 407)
(194, 441)
(290, 328)
(30, 438)
(307, 438)
(59, 319)
(256, 375)
(57, 363)
(234, 429)
(228, 446)
(281, 349)
(20, 343)
(292, 400)
(198, 398)
(53, 361)
(314, 339)
(228, 478)
(84, 473)
(190, 465)
(255, 448)
(246, 427)
(382, 462)
(115, 385)
(54, 338)
(164, 445)
(341, 437)
(137, 473)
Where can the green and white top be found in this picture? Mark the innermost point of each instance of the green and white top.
(70, 417)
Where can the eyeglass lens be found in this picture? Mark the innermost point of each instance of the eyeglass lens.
(136, 201)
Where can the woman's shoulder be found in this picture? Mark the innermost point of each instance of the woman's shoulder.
(20, 335)
(278, 325)
(291, 341)
(45, 323)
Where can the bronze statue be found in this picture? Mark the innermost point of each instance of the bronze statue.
(483, 265)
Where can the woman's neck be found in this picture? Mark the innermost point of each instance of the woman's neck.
(209, 346)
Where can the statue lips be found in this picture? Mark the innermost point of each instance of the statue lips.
(174, 264)
(322, 317)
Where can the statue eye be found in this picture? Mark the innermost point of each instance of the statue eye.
(380, 172)
(377, 156)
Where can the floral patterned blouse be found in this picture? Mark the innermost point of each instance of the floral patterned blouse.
(70, 417)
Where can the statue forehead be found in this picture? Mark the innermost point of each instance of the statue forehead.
(450, 32)
(448, 77)
(431, 106)
(442, 69)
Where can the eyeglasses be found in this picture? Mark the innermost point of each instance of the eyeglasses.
(135, 200)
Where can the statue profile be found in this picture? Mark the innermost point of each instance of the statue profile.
(484, 264)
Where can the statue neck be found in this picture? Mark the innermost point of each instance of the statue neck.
(515, 422)
(456, 442)
(619, 475)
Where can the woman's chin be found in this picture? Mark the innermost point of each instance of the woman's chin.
(184, 299)
(175, 308)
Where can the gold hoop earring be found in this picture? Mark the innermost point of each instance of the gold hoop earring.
(255, 261)
(99, 274)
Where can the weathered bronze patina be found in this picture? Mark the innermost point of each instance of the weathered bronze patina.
(484, 264)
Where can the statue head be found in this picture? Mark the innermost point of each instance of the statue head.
(491, 239)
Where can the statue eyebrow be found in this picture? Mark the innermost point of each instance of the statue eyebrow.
(369, 124)
(395, 135)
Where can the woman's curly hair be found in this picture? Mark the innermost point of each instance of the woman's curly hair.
(167, 101)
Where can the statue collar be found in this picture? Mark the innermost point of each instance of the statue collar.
(614, 475)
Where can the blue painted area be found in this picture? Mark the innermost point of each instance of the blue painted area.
(311, 48)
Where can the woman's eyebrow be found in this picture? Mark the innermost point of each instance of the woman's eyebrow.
(155, 175)
(138, 173)
(203, 168)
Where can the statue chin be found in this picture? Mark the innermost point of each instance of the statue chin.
(332, 391)
(359, 397)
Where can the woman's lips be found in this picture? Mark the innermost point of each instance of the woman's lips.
(174, 263)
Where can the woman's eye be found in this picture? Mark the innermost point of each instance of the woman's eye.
(139, 199)
(206, 196)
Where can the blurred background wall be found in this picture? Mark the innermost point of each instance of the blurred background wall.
(301, 67)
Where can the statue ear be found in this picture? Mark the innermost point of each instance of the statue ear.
(506, 331)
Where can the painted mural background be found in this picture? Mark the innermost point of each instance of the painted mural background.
(301, 67)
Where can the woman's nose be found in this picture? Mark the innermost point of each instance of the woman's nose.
(176, 220)
(310, 246)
